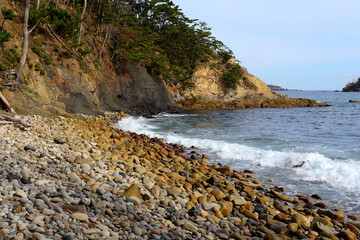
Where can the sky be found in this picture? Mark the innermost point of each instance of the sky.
(306, 45)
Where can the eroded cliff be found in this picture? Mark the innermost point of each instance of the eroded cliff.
(210, 92)
(61, 81)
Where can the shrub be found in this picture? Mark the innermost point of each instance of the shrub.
(232, 75)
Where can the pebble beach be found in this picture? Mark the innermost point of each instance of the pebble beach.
(80, 178)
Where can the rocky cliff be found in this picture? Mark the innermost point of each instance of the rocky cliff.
(209, 93)
(58, 82)
(352, 87)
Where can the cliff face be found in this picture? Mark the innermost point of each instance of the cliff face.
(209, 93)
(64, 89)
(87, 85)
(127, 86)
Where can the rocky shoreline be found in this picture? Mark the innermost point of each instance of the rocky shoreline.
(69, 178)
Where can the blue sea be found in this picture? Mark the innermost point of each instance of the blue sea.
(304, 150)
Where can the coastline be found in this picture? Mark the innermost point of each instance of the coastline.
(68, 178)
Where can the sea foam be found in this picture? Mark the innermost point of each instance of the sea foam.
(311, 166)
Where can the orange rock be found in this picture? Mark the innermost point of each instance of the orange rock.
(282, 217)
(338, 216)
(218, 194)
(213, 218)
(211, 198)
(353, 228)
(249, 214)
(226, 208)
(346, 235)
(202, 199)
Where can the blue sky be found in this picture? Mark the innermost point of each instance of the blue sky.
(308, 45)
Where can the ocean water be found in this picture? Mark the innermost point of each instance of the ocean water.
(304, 150)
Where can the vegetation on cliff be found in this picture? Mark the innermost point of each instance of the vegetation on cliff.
(155, 33)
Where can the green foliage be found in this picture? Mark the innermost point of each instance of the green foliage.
(8, 14)
(38, 67)
(157, 33)
(232, 75)
(85, 51)
(9, 59)
(61, 20)
(13, 56)
(4, 37)
(41, 53)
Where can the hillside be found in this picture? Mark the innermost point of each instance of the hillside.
(136, 56)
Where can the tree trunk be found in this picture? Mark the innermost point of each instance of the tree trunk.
(104, 43)
(81, 24)
(7, 104)
(20, 69)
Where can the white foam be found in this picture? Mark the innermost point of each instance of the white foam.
(315, 167)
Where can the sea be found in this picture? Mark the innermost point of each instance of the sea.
(305, 150)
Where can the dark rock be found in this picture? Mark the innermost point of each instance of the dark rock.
(29, 148)
(68, 236)
(25, 180)
(214, 180)
(259, 208)
(60, 140)
(317, 196)
(352, 87)
(194, 212)
(278, 227)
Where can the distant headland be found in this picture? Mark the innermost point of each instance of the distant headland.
(352, 87)
(276, 88)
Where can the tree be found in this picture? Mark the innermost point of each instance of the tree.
(8, 14)
(81, 23)
(4, 37)
(19, 71)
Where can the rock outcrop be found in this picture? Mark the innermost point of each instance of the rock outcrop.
(209, 93)
(352, 87)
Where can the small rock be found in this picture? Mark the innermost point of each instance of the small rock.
(100, 191)
(29, 148)
(68, 236)
(218, 194)
(190, 226)
(60, 140)
(80, 216)
(133, 191)
(346, 235)
(20, 193)
(210, 205)
(175, 191)
(137, 231)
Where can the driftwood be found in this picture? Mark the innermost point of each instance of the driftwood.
(7, 104)
(15, 120)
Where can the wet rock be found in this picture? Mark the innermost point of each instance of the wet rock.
(319, 227)
(346, 235)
